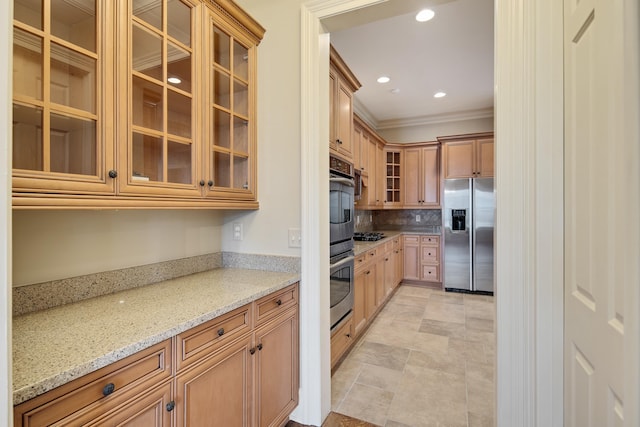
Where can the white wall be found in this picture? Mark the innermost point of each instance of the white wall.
(429, 132)
(266, 230)
(6, 399)
(49, 245)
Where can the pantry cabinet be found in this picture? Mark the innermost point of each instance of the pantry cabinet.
(134, 105)
(342, 84)
(238, 369)
(468, 156)
(421, 176)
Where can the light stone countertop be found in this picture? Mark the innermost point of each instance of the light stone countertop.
(54, 346)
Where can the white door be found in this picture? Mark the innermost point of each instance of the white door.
(601, 198)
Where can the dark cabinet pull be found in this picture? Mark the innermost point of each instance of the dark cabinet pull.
(279, 302)
(108, 389)
(386, 259)
(259, 346)
(220, 332)
(113, 173)
(368, 272)
(252, 350)
(348, 335)
(170, 406)
(201, 183)
(210, 183)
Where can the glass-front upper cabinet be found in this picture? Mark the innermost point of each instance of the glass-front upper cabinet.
(231, 167)
(160, 67)
(60, 89)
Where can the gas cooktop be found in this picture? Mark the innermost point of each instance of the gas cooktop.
(368, 236)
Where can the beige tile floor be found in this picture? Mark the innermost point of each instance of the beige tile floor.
(426, 360)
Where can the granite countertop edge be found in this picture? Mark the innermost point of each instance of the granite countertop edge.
(361, 247)
(41, 364)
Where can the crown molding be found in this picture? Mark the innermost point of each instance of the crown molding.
(482, 113)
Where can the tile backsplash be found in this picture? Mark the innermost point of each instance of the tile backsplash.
(399, 219)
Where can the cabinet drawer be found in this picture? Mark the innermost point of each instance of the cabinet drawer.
(412, 239)
(431, 273)
(201, 341)
(360, 262)
(275, 304)
(431, 240)
(431, 254)
(103, 386)
(341, 339)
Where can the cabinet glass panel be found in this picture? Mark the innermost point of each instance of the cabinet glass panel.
(221, 169)
(147, 52)
(150, 11)
(179, 114)
(179, 163)
(73, 79)
(147, 104)
(28, 12)
(240, 61)
(178, 67)
(73, 145)
(179, 21)
(75, 22)
(27, 64)
(240, 172)
(240, 98)
(147, 158)
(221, 130)
(221, 89)
(221, 48)
(240, 135)
(27, 138)
(162, 84)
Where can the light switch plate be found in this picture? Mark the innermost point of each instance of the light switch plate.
(295, 238)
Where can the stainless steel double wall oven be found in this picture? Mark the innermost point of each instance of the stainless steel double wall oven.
(341, 226)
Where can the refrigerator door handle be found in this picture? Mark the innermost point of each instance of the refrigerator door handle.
(472, 233)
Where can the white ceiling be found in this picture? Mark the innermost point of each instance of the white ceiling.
(452, 53)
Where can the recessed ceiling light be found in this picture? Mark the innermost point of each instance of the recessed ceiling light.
(174, 80)
(439, 95)
(395, 90)
(384, 79)
(425, 15)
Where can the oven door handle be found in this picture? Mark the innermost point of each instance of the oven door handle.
(345, 181)
(342, 262)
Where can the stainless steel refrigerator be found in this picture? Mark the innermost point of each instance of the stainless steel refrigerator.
(468, 219)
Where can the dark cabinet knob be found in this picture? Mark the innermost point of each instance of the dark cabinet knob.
(220, 332)
(348, 335)
(113, 173)
(279, 302)
(210, 183)
(201, 183)
(170, 406)
(252, 350)
(259, 346)
(368, 272)
(108, 389)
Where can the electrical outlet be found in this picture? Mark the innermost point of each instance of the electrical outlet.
(295, 238)
(237, 231)
(418, 218)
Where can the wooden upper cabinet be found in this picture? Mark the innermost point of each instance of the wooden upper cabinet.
(147, 98)
(62, 90)
(421, 176)
(470, 157)
(342, 85)
(392, 177)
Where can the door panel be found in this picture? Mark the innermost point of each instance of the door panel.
(597, 376)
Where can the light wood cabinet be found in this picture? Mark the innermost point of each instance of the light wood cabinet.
(126, 106)
(342, 85)
(342, 338)
(421, 177)
(422, 258)
(398, 261)
(393, 178)
(238, 369)
(471, 156)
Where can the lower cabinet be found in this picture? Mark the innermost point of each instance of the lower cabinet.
(422, 258)
(240, 369)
